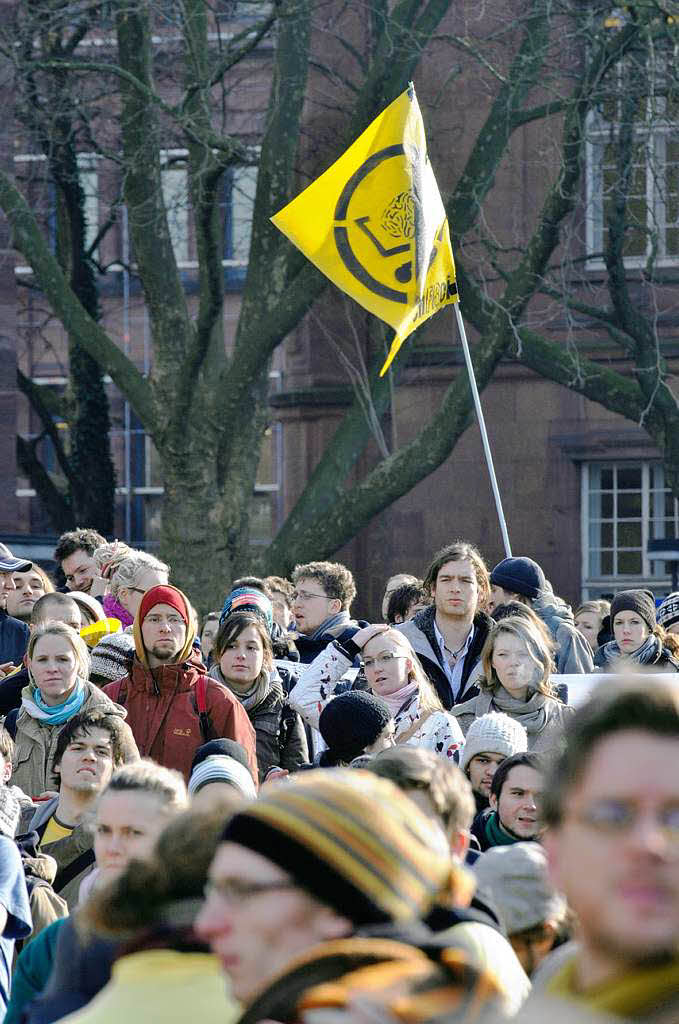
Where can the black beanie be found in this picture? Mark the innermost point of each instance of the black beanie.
(350, 723)
(223, 747)
(640, 601)
(519, 575)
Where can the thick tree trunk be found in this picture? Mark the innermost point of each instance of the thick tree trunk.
(202, 534)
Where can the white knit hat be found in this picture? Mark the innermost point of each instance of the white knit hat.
(494, 733)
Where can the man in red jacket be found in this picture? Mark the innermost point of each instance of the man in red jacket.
(173, 706)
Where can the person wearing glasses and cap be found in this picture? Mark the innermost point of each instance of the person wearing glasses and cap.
(13, 633)
(393, 673)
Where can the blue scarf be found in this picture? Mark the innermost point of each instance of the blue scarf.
(46, 714)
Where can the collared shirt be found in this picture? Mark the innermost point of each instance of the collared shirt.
(453, 661)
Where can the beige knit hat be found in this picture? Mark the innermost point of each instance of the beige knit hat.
(494, 733)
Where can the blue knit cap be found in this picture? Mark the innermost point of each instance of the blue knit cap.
(519, 575)
(247, 599)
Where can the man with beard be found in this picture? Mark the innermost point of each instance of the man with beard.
(173, 706)
(515, 794)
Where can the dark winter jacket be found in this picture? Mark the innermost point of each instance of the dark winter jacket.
(163, 715)
(488, 831)
(13, 639)
(420, 633)
(75, 971)
(281, 740)
(10, 690)
(338, 627)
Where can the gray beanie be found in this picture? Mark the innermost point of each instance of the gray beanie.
(517, 877)
(494, 733)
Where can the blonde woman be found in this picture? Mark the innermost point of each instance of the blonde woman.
(589, 619)
(393, 673)
(58, 667)
(516, 668)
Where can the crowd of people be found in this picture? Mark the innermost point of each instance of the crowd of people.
(284, 813)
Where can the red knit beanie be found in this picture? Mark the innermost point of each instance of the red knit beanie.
(163, 595)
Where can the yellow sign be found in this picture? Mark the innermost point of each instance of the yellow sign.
(374, 223)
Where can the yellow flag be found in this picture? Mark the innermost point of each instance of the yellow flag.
(374, 223)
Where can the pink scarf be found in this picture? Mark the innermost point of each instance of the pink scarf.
(397, 699)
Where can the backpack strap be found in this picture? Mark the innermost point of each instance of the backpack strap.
(118, 693)
(200, 691)
(405, 736)
(72, 870)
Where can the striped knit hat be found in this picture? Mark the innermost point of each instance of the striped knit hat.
(112, 658)
(668, 612)
(352, 840)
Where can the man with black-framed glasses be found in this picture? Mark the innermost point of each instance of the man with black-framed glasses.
(612, 813)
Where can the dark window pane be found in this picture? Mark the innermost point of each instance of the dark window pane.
(629, 506)
(629, 535)
(606, 479)
(606, 563)
(629, 562)
(607, 535)
(629, 478)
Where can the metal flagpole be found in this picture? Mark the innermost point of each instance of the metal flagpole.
(482, 428)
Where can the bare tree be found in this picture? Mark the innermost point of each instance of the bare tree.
(205, 405)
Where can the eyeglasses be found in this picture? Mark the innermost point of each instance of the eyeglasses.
(382, 659)
(614, 818)
(137, 590)
(173, 621)
(305, 595)
(234, 890)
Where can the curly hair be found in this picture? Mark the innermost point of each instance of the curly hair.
(79, 539)
(336, 580)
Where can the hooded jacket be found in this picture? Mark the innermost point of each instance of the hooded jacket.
(36, 744)
(420, 631)
(573, 654)
(162, 710)
(281, 740)
(74, 854)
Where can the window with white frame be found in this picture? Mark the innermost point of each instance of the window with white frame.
(89, 182)
(652, 230)
(624, 505)
(240, 185)
(175, 185)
